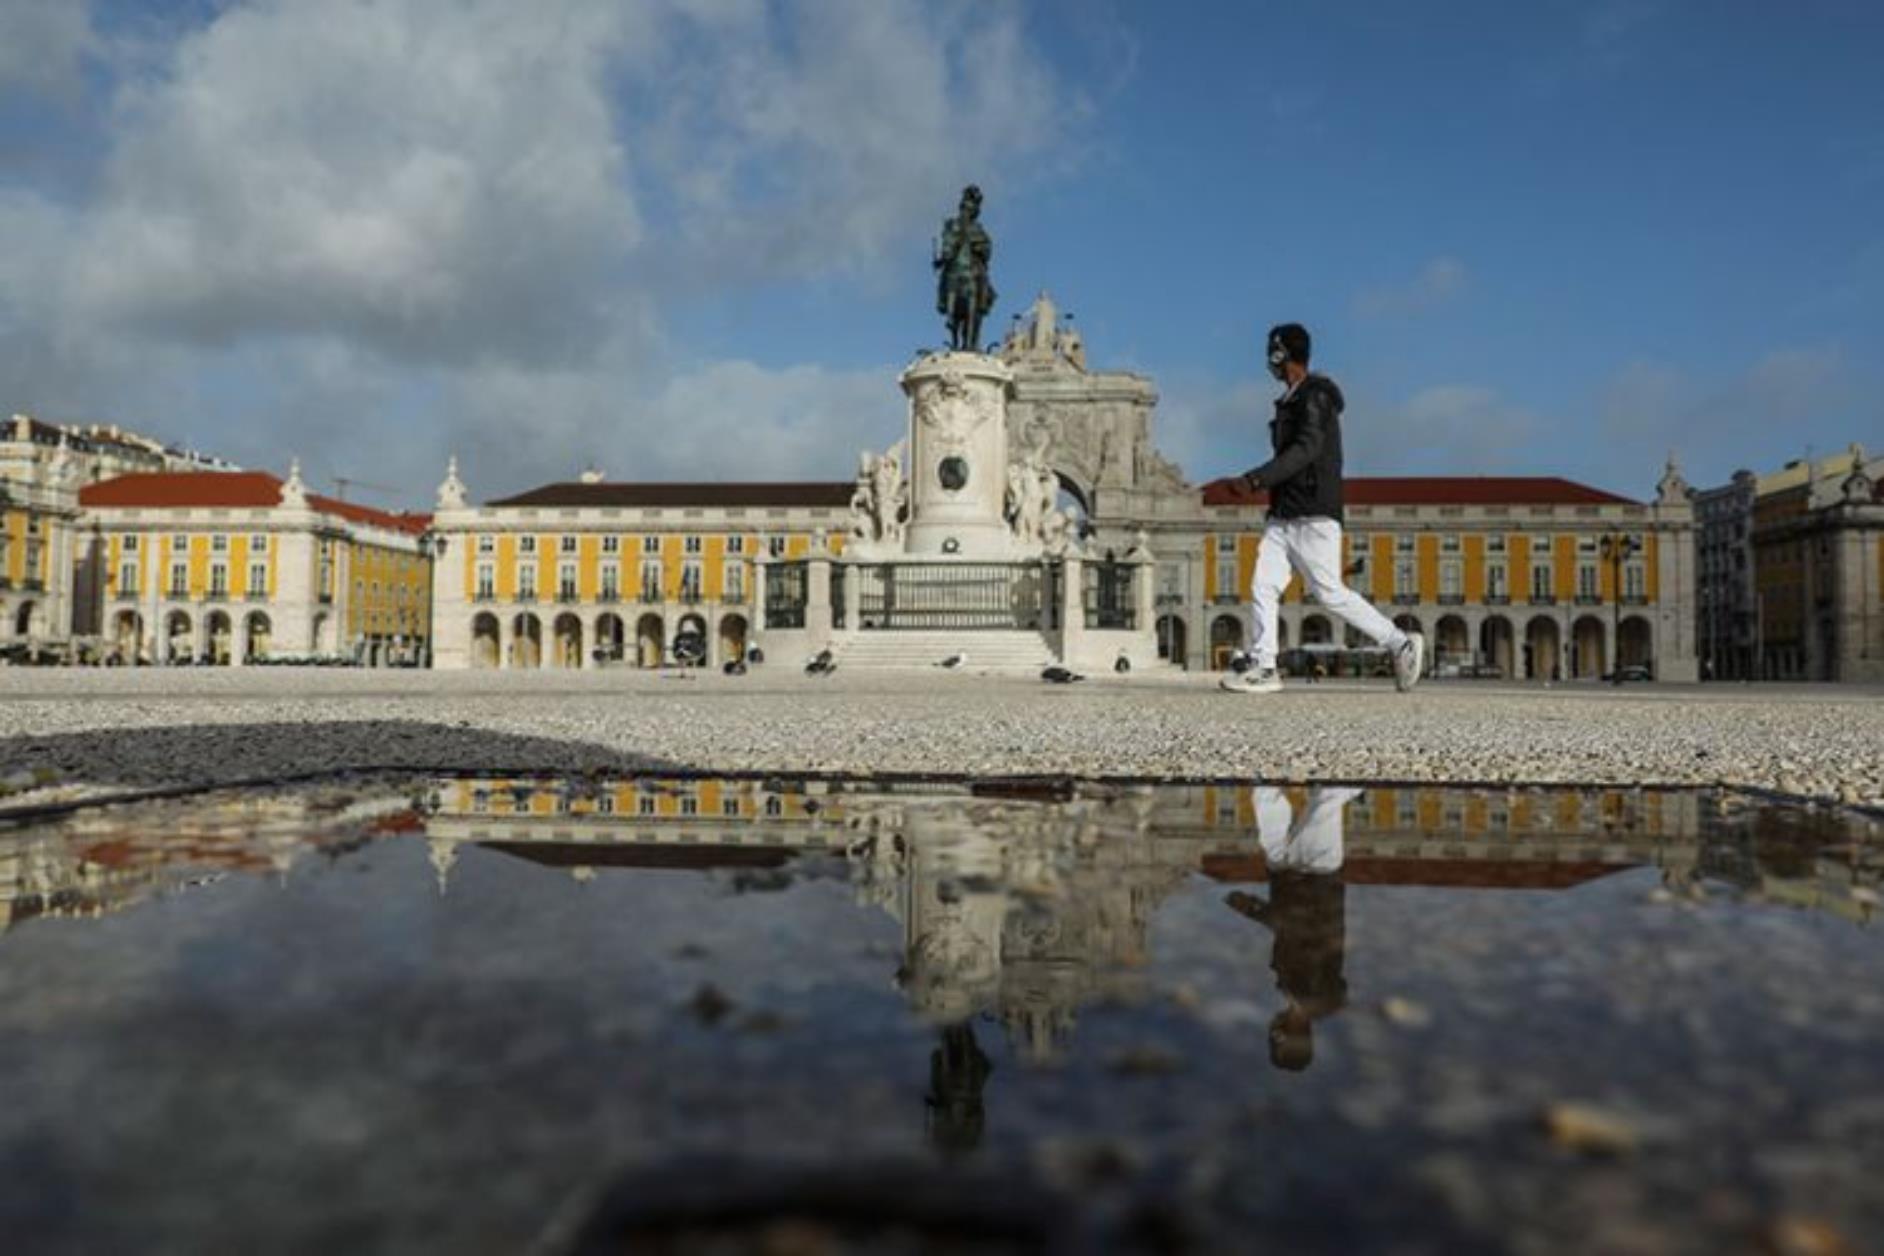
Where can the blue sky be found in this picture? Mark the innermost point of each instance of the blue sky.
(688, 238)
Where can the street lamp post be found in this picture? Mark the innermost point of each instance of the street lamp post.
(431, 546)
(1616, 547)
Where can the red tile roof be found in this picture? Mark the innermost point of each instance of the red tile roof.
(1445, 490)
(730, 493)
(244, 490)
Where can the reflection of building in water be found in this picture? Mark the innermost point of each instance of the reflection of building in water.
(108, 860)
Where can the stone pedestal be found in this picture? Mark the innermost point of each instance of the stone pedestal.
(958, 456)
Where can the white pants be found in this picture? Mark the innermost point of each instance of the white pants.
(1311, 842)
(1312, 547)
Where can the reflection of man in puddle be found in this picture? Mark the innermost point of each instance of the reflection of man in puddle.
(1306, 913)
(958, 1069)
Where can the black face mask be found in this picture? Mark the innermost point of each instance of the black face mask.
(1278, 360)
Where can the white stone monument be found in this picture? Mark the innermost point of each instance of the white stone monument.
(958, 470)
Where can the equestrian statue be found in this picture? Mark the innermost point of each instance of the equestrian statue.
(963, 293)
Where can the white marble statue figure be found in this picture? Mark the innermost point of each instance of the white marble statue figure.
(863, 501)
(1023, 501)
(892, 495)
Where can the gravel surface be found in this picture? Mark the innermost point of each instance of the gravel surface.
(90, 730)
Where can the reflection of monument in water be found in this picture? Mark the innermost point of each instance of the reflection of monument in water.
(956, 541)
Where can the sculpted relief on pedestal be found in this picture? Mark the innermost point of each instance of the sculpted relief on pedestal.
(879, 507)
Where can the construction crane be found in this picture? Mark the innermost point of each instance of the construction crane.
(342, 483)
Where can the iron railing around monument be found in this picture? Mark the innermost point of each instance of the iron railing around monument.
(958, 596)
(1107, 594)
(787, 591)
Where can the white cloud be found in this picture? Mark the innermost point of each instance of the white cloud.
(1438, 281)
(1792, 397)
(43, 44)
(375, 230)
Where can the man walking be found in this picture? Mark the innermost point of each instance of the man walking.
(1303, 532)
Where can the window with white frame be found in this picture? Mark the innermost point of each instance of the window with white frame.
(180, 543)
(1586, 581)
(487, 545)
(1495, 544)
(691, 545)
(775, 545)
(1451, 579)
(611, 582)
(1406, 578)
(130, 542)
(258, 580)
(729, 807)
(127, 576)
(735, 545)
(219, 543)
(1540, 580)
(645, 804)
(258, 543)
(650, 545)
(650, 582)
(566, 545)
(526, 582)
(734, 578)
(1634, 581)
(526, 545)
(1586, 547)
(219, 579)
(690, 582)
(486, 587)
(1226, 568)
(179, 579)
(566, 582)
(1497, 580)
(611, 545)
(1450, 544)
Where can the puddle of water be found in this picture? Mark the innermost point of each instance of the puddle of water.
(486, 1014)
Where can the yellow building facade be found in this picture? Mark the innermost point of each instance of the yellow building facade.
(240, 568)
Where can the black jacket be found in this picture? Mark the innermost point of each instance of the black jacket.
(1304, 478)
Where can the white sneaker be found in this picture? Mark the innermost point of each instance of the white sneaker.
(1407, 661)
(1252, 681)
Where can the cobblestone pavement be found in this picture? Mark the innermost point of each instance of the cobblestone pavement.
(81, 730)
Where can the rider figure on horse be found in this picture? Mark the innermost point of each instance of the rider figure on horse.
(963, 293)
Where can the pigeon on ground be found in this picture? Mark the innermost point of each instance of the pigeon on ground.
(734, 667)
(1057, 675)
(755, 656)
(954, 660)
(1122, 665)
(822, 664)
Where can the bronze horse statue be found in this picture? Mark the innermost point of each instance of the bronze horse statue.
(963, 293)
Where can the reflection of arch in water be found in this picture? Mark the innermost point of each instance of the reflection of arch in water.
(23, 619)
(1316, 630)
